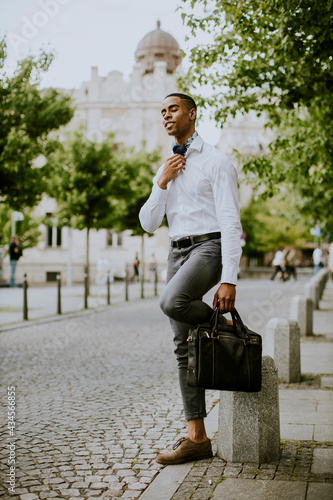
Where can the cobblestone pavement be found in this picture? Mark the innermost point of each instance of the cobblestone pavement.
(96, 397)
(294, 465)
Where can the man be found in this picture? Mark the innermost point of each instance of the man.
(15, 253)
(279, 264)
(317, 259)
(197, 190)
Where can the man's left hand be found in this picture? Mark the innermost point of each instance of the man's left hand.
(226, 296)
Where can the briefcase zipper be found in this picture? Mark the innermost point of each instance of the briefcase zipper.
(233, 338)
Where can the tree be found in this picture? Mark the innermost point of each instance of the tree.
(28, 115)
(92, 183)
(275, 58)
(27, 229)
(269, 224)
(144, 165)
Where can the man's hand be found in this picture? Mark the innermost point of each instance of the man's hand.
(225, 295)
(171, 168)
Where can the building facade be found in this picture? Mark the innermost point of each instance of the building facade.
(131, 109)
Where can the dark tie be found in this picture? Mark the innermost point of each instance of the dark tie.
(181, 150)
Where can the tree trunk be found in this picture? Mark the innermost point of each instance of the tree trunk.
(69, 258)
(142, 265)
(87, 262)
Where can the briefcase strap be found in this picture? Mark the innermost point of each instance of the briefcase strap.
(236, 320)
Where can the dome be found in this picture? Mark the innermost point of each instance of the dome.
(158, 45)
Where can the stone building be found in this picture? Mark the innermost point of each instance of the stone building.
(131, 109)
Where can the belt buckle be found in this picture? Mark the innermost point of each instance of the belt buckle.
(187, 239)
(179, 243)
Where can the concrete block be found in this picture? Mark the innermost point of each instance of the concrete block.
(312, 292)
(301, 311)
(281, 341)
(247, 489)
(322, 461)
(322, 491)
(249, 424)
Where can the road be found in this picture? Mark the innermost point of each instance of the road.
(97, 395)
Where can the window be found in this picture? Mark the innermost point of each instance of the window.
(53, 232)
(114, 239)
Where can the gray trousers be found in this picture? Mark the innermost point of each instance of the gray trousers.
(191, 273)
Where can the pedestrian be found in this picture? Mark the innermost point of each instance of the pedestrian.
(290, 260)
(15, 252)
(317, 259)
(136, 267)
(279, 264)
(196, 188)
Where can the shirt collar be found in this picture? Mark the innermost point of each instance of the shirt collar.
(196, 143)
(190, 140)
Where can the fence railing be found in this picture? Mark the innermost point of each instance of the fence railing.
(127, 283)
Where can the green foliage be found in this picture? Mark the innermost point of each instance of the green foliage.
(274, 58)
(87, 181)
(272, 223)
(27, 230)
(28, 115)
(143, 165)
(99, 185)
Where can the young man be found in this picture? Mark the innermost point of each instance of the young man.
(197, 190)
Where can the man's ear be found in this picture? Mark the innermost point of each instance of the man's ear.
(193, 114)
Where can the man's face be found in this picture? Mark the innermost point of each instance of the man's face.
(177, 118)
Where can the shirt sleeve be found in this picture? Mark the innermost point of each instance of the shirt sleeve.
(152, 213)
(225, 191)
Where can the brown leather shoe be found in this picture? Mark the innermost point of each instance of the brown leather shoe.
(186, 450)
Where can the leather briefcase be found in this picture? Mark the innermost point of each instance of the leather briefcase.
(224, 357)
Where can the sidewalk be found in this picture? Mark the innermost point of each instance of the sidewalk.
(42, 300)
(305, 469)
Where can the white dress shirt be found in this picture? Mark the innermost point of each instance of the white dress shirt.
(201, 199)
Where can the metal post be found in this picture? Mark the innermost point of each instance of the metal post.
(108, 287)
(126, 286)
(59, 294)
(155, 281)
(142, 283)
(25, 297)
(86, 290)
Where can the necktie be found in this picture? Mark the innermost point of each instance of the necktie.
(181, 150)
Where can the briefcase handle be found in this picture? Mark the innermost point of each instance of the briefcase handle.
(236, 320)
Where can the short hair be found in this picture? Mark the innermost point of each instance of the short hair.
(190, 103)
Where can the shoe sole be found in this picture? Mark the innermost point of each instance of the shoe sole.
(185, 460)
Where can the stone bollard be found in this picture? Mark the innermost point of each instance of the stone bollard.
(301, 310)
(282, 342)
(312, 292)
(249, 424)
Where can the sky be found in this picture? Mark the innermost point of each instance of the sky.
(85, 33)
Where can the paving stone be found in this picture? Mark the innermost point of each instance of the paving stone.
(98, 485)
(233, 489)
(131, 494)
(71, 492)
(48, 494)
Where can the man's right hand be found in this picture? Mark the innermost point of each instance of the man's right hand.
(171, 168)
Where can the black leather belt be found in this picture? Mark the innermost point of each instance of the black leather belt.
(192, 240)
